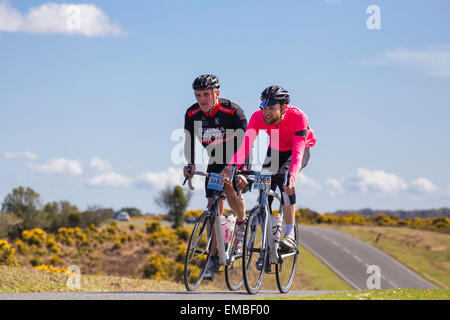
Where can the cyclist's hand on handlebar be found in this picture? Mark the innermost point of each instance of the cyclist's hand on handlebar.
(290, 188)
(226, 174)
(241, 182)
(189, 174)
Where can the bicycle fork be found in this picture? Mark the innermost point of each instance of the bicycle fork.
(222, 254)
(268, 242)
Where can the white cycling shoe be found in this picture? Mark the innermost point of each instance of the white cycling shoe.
(288, 244)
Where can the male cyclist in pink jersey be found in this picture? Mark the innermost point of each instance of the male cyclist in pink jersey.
(290, 140)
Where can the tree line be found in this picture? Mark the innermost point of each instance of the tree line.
(22, 209)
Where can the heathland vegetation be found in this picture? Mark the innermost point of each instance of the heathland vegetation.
(53, 236)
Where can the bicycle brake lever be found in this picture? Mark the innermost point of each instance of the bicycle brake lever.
(187, 178)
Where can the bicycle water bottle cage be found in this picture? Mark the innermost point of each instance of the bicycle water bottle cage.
(215, 182)
(262, 181)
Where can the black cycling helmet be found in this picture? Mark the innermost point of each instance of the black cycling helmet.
(206, 81)
(273, 95)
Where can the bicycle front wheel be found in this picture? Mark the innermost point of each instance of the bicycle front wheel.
(233, 269)
(198, 252)
(285, 268)
(254, 255)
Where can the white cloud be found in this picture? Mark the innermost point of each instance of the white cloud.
(306, 184)
(26, 154)
(172, 176)
(58, 166)
(376, 181)
(110, 179)
(83, 19)
(422, 185)
(334, 184)
(434, 62)
(100, 164)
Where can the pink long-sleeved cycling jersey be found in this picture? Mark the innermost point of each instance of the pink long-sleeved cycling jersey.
(292, 133)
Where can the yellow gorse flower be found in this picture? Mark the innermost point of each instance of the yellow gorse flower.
(52, 269)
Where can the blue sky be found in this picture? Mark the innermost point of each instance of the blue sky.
(88, 112)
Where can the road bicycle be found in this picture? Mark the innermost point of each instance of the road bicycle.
(207, 233)
(260, 251)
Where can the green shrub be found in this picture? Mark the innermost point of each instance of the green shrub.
(21, 247)
(111, 229)
(182, 233)
(154, 226)
(36, 236)
(117, 245)
(55, 260)
(159, 268)
(35, 261)
(7, 254)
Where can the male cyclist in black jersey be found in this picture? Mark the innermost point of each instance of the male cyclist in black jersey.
(216, 122)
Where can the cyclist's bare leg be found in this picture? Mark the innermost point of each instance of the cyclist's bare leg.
(236, 204)
(289, 214)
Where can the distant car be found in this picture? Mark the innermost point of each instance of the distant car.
(191, 220)
(123, 216)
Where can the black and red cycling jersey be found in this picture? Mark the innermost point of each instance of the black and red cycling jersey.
(215, 130)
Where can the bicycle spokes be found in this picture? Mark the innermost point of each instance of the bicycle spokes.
(253, 253)
(285, 269)
(198, 252)
(233, 269)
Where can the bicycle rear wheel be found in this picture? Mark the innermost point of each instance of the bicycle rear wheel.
(253, 252)
(233, 270)
(198, 252)
(285, 268)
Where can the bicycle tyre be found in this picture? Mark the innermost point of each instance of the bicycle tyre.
(285, 269)
(252, 251)
(233, 271)
(198, 252)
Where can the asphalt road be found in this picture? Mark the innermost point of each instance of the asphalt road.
(356, 262)
(155, 295)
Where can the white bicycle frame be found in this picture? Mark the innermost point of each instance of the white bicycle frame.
(268, 237)
(223, 254)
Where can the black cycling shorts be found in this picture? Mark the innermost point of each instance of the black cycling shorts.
(280, 162)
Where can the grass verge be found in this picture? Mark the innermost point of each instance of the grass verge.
(26, 279)
(392, 294)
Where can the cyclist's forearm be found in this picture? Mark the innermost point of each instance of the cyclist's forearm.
(298, 149)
